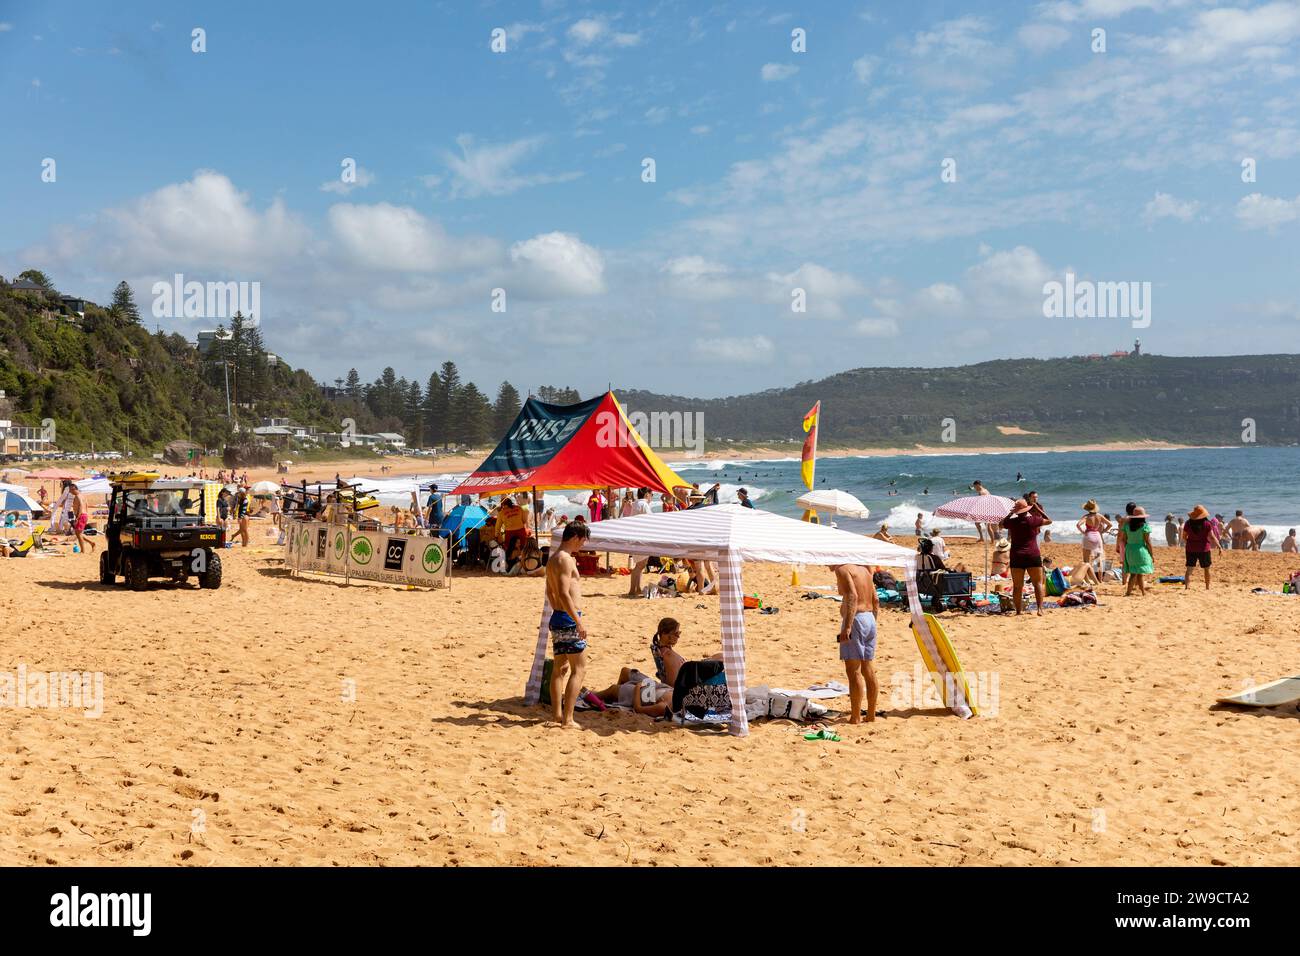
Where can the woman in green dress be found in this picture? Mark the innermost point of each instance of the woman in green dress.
(1138, 559)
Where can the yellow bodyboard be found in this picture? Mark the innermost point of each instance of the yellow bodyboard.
(948, 658)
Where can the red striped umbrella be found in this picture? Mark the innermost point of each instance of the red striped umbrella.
(980, 509)
(984, 509)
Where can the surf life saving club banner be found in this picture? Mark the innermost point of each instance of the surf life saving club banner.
(419, 560)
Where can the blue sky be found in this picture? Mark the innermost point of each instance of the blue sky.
(775, 170)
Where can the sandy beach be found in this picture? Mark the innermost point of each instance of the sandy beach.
(226, 738)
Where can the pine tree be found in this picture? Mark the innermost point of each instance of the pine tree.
(354, 385)
(123, 307)
(471, 415)
(413, 414)
(506, 408)
(435, 412)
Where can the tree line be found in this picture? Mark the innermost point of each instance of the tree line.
(444, 411)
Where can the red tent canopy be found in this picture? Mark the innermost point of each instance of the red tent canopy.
(587, 445)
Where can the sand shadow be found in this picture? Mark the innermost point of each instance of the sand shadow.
(1289, 711)
(158, 585)
(605, 723)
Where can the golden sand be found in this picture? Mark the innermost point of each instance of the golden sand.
(226, 738)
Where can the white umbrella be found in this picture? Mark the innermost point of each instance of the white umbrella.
(264, 488)
(978, 509)
(835, 502)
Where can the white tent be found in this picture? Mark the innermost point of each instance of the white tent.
(731, 535)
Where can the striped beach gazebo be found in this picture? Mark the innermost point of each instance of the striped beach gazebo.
(731, 535)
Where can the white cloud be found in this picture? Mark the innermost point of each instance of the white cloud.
(488, 170)
(864, 67)
(556, 264)
(384, 237)
(6, 27)
(962, 37)
(364, 178)
(1230, 31)
(702, 130)
(656, 115)
(1099, 9)
(1042, 37)
(589, 30)
(775, 72)
(1258, 211)
(204, 222)
(824, 289)
(876, 328)
(517, 32)
(697, 279)
(1165, 206)
(741, 350)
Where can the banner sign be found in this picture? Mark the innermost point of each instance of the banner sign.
(420, 560)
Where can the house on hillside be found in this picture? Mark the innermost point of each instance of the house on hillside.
(27, 285)
(207, 338)
(391, 438)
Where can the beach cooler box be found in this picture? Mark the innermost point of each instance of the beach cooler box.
(588, 562)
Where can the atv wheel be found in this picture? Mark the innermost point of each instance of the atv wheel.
(106, 575)
(211, 578)
(136, 572)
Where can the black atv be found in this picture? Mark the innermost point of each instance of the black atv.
(162, 528)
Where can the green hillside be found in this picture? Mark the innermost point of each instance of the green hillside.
(104, 378)
(1194, 401)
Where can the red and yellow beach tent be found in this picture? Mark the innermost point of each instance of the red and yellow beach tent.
(587, 445)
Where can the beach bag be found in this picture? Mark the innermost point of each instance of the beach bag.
(787, 706)
(883, 579)
(752, 601)
(548, 669)
(1055, 583)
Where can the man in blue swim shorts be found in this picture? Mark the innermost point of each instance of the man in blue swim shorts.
(568, 635)
(857, 637)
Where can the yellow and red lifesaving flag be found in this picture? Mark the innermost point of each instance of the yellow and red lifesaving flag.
(810, 445)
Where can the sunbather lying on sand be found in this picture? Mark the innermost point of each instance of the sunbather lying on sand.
(628, 693)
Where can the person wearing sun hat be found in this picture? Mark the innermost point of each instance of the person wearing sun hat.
(1092, 526)
(1022, 526)
(1001, 558)
(1135, 539)
(1199, 541)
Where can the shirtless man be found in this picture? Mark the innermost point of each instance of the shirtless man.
(80, 518)
(1239, 530)
(568, 635)
(857, 637)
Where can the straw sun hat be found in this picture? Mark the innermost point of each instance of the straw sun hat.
(1090, 506)
(1139, 512)
(1198, 512)
(1002, 545)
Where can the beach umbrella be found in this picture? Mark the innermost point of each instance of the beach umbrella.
(54, 474)
(264, 487)
(11, 500)
(978, 509)
(835, 502)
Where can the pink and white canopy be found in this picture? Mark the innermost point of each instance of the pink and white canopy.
(980, 509)
(731, 535)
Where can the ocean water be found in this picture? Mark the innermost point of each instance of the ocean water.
(1262, 482)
